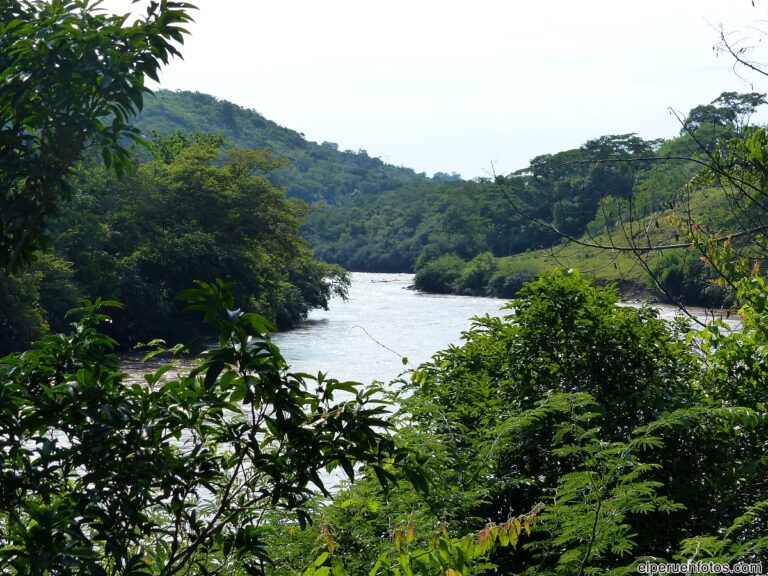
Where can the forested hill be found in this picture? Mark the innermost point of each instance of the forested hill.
(482, 237)
(318, 172)
(613, 191)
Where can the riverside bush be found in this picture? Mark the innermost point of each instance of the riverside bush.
(625, 441)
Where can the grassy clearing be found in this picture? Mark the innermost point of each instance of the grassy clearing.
(708, 206)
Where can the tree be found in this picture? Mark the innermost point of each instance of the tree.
(729, 110)
(175, 474)
(658, 446)
(699, 193)
(630, 436)
(707, 115)
(192, 209)
(719, 219)
(740, 106)
(71, 77)
(102, 476)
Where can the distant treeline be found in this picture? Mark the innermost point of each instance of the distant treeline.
(489, 237)
(315, 173)
(483, 236)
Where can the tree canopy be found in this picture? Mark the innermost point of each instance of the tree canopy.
(71, 76)
(190, 211)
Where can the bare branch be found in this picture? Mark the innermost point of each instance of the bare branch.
(739, 54)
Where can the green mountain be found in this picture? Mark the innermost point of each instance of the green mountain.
(483, 237)
(318, 173)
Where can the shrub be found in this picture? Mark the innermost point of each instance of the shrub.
(440, 275)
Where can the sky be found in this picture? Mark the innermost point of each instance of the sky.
(476, 87)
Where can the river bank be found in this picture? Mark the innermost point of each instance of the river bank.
(386, 328)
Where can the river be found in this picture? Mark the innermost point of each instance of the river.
(382, 322)
(366, 337)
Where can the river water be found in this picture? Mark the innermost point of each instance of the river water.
(366, 337)
(382, 324)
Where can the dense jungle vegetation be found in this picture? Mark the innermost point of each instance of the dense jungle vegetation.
(489, 236)
(315, 173)
(142, 238)
(119, 234)
(573, 436)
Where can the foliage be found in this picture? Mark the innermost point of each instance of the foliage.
(35, 301)
(21, 320)
(685, 275)
(483, 275)
(477, 273)
(374, 218)
(193, 211)
(727, 115)
(744, 540)
(624, 251)
(317, 173)
(407, 229)
(104, 476)
(611, 191)
(402, 230)
(726, 239)
(444, 553)
(508, 284)
(440, 274)
(71, 76)
(627, 440)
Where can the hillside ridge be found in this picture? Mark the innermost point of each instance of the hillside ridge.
(318, 173)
